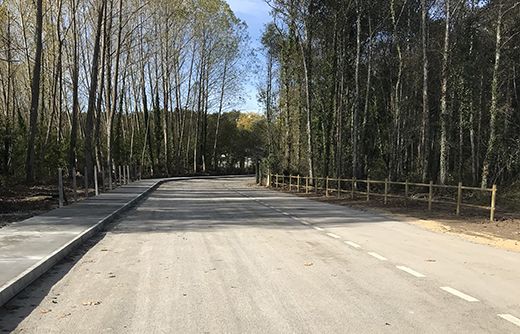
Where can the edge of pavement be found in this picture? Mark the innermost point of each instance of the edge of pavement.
(11, 288)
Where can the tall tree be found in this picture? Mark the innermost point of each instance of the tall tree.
(35, 93)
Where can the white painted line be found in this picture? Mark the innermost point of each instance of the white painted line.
(459, 294)
(510, 318)
(317, 228)
(410, 271)
(377, 256)
(332, 235)
(352, 244)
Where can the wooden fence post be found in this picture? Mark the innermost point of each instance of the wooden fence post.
(493, 203)
(327, 187)
(339, 187)
(386, 190)
(86, 182)
(60, 186)
(103, 177)
(316, 180)
(430, 196)
(353, 186)
(110, 186)
(290, 182)
(96, 180)
(306, 184)
(74, 184)
(368, 189)
(120, 176)
(406, 191)
(459, 197)
(298, 181)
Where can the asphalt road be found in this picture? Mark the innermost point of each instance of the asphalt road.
(222, 256)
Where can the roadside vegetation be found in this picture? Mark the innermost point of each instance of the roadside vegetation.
(416, 90)
(419, 91)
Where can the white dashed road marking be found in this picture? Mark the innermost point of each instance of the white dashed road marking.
(377, 256)
(410, 271)
(352, 244)
(510, 318)
(317, 228)
(332, 235)
(459, 294)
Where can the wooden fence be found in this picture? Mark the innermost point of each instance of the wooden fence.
(369, 188)
(112, 178)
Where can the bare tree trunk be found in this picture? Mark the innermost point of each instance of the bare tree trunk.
(89, 127)
(221, 103)
(493, 110)
(75, 91)
(425, 128)
(35, 93)
(444, 99)
(307, 70)
(395, 159)
(8, 140)
(356, 105)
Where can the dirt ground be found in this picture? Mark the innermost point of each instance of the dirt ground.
(472, 224)
(19, 202)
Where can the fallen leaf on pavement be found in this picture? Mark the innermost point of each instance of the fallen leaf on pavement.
(308, 264)
(91, 303)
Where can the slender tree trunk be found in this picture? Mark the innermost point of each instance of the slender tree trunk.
(425, 128)
(307, 70)
(356, 105)
(35, 93)
(395, 160)
(89, 127)
(493, 110)
(443, 176)
(75, 91)
(220, 106)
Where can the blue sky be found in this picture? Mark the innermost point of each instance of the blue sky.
(256, 14)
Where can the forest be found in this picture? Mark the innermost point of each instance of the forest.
(401, 89)
(150, 84)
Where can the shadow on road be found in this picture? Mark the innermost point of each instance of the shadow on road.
(169, 210)
(27, 301)
(190, 208)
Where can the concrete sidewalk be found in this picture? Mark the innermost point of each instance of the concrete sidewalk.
(31, 247)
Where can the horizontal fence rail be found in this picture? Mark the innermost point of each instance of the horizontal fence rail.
(383, 188)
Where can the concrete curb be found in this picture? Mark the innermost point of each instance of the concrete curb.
(16, 285)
